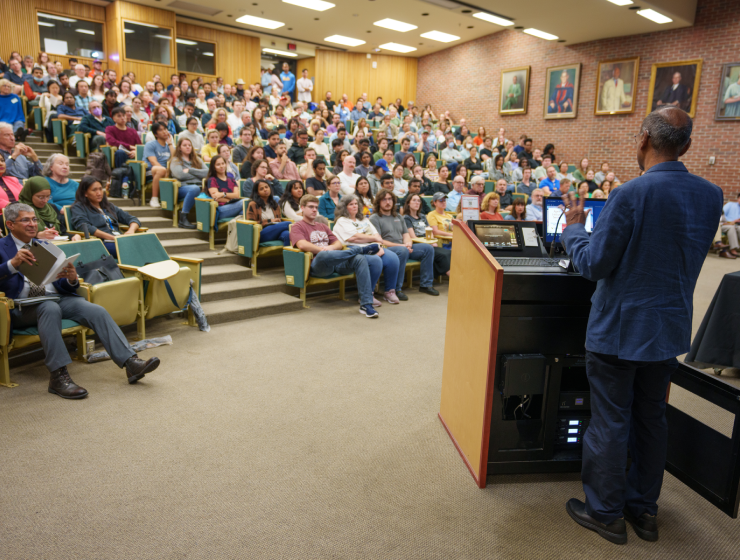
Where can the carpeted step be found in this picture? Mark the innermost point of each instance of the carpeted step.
(150, 221)
(263, 284)
(224, 273)
(187, 245)
(167, 233)
(210, 258)
(238, 309)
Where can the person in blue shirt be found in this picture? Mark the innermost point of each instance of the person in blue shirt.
(551, 181)
(156, 155)
(731, 225)
(11, 109)
(645, 254)
(266, 81)
(455, 196)
(288, 79)
(70, 113)
(358, 112)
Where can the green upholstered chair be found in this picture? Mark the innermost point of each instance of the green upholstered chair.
(82, 144)
(417, 156)
(489, 186)
(139, 168)
(571, 168)
(164, 279)
(39, 116)
(59, 131)
(205, 215)
(297, 268)
(120, 298)
(108, 151)
(168, 197)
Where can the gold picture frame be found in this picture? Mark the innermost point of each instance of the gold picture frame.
(728, 89)
(661, 76)
(561, 98)
(509, 102)
(611, 99)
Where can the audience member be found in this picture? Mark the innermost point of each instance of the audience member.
(297, 151)
(518, 210)
(21, 161)
(95, 124)
(223, 189)
(731, 227)
(36, 193)
(260, 171)
(491, 207)
(534, 208)
(290, 202)
(454, 198)
(347, 176)
(282, 167)
(316, 185)
(10, 187)
(157, 155)
(416, 223)
(186, 167)
(265, 210)
(122, 138)
(232, 170)
(329, 200)
(63, 189)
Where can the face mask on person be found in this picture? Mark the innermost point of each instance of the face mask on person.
(282, 135)
(451, 145)
(96, 111)
(469, 146)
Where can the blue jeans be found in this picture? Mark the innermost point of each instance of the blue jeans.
(111, 246)
(326, 263)
(120, 157)
(423, 253)
(627, 411)
(230, 210)
(273, 232)
(18, 125)
(391, 266)
(187, 194)
(452, 166)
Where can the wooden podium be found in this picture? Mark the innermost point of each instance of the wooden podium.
(474, 305)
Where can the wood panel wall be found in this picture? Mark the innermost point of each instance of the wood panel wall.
(237, 56)
(310, 65)
(353, 74)
(20, 32)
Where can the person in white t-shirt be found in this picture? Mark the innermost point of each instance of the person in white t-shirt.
(400, 186)
(347, 176)
(305, 87)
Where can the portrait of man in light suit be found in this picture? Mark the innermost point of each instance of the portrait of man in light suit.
(615, 91)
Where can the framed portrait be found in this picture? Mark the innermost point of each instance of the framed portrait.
(616, 81)
(561, 91)
(675, 83)
(514, 91)
(728, 99)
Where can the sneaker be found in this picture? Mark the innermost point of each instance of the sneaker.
(154, 202)
(400, 295)
(369, 311)
(376, 303)
(390, 297)
(429, 290)
(370, 249)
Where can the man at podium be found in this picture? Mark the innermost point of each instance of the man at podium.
(645, 253)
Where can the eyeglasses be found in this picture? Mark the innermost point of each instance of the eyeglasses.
(26, 221)
(43, 197)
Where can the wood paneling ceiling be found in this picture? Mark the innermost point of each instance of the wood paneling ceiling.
(573, 21)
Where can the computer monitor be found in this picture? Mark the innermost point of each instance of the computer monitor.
(498, 236)
(553, 220)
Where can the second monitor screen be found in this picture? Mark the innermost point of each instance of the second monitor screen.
(497, 236)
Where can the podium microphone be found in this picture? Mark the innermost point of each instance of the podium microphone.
(552, 245)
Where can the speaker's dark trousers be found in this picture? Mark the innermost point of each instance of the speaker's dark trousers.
(627, 411)
(47, 317)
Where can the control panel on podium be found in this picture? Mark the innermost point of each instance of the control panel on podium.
(515, 394)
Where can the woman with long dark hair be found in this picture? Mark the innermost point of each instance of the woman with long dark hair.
(290, 202)
(223, 189)
(264, 209)
(518, 210)
(101, 218)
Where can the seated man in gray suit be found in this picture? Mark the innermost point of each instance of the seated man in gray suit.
(47, 316)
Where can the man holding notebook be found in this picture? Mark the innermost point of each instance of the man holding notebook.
(47, 315)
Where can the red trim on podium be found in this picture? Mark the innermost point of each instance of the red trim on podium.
(464, 458)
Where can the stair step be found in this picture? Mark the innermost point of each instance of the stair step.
(187, 245)
(233, 289)
(238, 309)
(224, 273)
(151, 221)
(141, 211)
(210, 258)
(170, 233)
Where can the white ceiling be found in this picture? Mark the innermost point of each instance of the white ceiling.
(574, 21)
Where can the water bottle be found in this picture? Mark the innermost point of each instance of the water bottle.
(124, 188)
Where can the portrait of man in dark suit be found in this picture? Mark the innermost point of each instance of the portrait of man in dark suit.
(675, 84)
(674, 94)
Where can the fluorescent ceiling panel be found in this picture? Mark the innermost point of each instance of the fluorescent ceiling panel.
(493, 19)
(342, 40)
(260, 22)
(185, 42)
(621, 2)
(207, 54)
(85, 31)
(143, 24)
(165, 37)
(652, 15)
(397, 48)
(540, 34)
(281, 53)
(45, 24)
(60, 18)
(318, 5)
(440, 36)
(395, 25)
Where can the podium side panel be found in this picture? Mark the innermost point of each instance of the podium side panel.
(474, 302)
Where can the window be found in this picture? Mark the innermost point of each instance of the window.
(69, 36)
(196, 56)
(147, 43)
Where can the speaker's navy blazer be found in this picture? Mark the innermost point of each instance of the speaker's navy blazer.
(646, 251)
(12, 284)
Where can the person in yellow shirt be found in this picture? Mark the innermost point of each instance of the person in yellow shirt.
(439, 220)
(210, 150)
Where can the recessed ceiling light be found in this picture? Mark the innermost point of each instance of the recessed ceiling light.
(440, 36)
(260, 22)
(281, 53)
(395, 25)
(397, 48)
(342, 40)
(466, 11)
(129, 31)
(470, 27)
(621, 2)
(165, 37)
(318, 5)
(652, 15)
(540, 34)
(207, 54)
(185, 42)
(46, 24)
(493, 19)
(425, 14)
(60, 18)
(85, 31)
(143, 24)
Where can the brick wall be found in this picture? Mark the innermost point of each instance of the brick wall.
(465, 81)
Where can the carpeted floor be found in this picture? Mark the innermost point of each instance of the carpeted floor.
(309, 436)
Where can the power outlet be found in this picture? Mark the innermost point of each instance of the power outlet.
(712, 159)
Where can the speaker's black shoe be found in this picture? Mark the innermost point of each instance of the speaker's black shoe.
(646, 526)
(137, 368)
(615, 532)
(429, 290)
(184, 223)
(60, 383)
